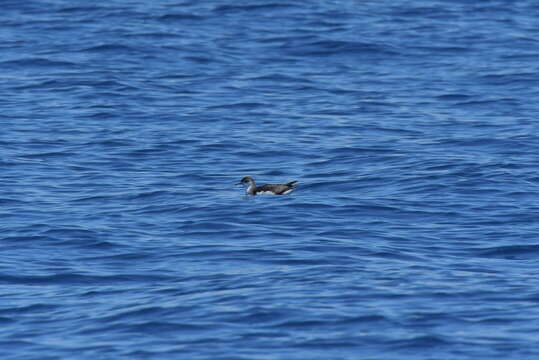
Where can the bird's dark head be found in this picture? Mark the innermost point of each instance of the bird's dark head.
(246, 181)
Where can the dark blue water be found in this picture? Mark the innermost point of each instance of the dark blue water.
(411, 126)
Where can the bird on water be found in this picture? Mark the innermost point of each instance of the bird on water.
(275, 189)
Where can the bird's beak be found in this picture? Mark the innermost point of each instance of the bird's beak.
(238, 183)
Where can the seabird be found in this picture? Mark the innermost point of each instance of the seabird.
(275, 189)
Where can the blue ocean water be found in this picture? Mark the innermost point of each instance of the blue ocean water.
(411, 127)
